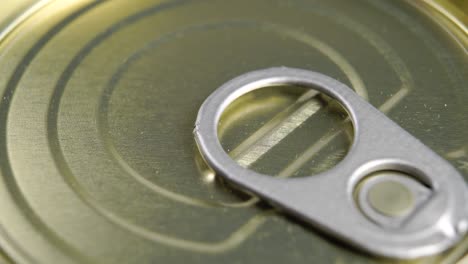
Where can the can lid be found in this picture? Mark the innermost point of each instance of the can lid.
(99, 99)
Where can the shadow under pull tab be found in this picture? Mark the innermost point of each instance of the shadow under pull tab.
(391, 195)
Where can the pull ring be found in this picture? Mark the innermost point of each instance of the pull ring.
(438, 218)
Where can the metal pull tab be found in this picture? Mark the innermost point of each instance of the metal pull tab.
(345, 201)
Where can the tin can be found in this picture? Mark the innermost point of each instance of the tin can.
(98, 163)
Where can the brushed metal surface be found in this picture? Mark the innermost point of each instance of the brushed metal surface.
(97, 159)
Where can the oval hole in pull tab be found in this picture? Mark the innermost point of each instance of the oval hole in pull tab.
(286, 131)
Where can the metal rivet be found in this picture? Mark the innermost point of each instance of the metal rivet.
(391, 198)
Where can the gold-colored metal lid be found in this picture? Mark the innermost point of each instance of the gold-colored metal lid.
(97, 158)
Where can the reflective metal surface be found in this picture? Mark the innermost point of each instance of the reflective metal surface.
(98, 162)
